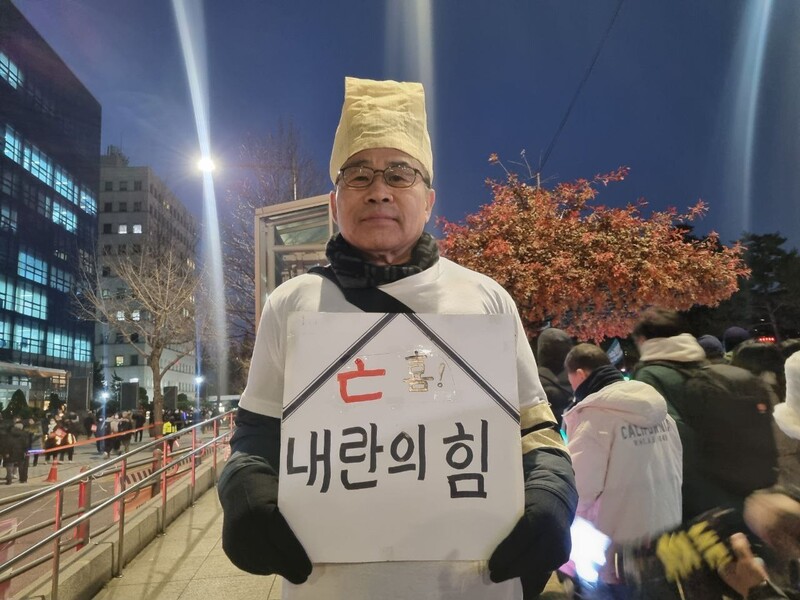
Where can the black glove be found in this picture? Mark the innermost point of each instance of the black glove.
(255, 535)
(538, 544)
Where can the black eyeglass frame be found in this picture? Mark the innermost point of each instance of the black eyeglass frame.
(417, 173)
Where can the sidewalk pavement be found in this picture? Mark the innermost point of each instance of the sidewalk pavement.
(187, 563)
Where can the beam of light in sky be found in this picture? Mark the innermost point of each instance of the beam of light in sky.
(191, 28)
(409, 51)
(748, 62)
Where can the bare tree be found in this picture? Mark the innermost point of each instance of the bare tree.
(277, 169)
(151, 305)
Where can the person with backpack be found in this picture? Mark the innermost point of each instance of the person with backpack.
(723, 413)
(125, 426)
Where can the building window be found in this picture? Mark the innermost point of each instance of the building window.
(120, 294)
(60, 280)
(137, 228)
(106, 293)
(123, 186)
(107, 249)
(83, 349)
(29, 300)
(107, 207)
(136, 315)
(134, 360)
(137, 186)
(106, 227)
(120, 315)
(28, 339)
(122, 249)
(105, 271)
(137, 248)
(108, 186)
(6, 293)
(59, 344)
(123, 207)
(8, 218)
(88, 203)
(137, 206)
(122, 228)
(119, 360)
(10, 71)
(37, 163)
(32, 267)
(64, 185)
(64, 217)
(13, 145)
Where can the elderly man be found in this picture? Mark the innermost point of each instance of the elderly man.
(382, 170)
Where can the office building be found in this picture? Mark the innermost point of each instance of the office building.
(138, 210)
(49, 175)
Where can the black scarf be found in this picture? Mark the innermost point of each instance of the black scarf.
(353, 271)
(597, 380)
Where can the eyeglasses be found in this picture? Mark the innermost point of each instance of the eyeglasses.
(396, 176)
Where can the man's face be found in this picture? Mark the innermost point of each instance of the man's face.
(381, 221)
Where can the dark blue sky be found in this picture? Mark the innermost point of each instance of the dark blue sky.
(700, 99)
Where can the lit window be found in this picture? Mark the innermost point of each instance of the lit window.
(59, 344)
(65, 217)
(120, 315)
(28, 339)
(29, 300)
(10, 71)
(106, 293)
(6, 293)
(32, 267)
(137, 228)
(13, 145)
(88, 203)
(37, 163)
(122, 228)
(119, 360)
(135, 315)
(83, 349)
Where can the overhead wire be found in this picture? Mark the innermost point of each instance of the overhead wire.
(583, 81)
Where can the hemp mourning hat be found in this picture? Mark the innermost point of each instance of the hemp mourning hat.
(382, 114)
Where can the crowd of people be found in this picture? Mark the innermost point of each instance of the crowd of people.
(690, 435)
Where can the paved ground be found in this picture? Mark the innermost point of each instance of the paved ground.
(187, 563)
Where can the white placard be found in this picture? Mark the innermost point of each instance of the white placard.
(400, 436)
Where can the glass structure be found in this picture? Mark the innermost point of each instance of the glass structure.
(290, 239)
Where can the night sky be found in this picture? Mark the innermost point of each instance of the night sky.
(699, 99)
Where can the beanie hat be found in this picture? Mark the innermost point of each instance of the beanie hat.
(552, 348)
(711, 345)
(382, 114)
(734, 336)
(787, 414)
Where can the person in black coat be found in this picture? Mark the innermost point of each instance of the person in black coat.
(552, 348)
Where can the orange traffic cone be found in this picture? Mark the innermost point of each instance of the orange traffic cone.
(52, 476)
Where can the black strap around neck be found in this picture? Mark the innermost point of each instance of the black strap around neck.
(369, 299)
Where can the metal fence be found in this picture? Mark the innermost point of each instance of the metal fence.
(156, 464)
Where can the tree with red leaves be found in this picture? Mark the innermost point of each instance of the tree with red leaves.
(587, 268)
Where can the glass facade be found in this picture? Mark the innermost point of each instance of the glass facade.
(49, 177)
(290, 239)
